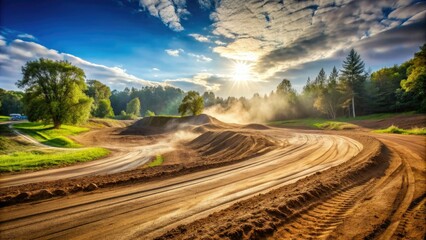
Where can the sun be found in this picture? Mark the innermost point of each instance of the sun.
(242, 71)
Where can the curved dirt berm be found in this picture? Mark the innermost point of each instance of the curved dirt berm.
(161, 124)
(379, 194)
(223, 145)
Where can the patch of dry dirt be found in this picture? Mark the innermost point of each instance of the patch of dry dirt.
(211, 149)
(378, 195)
(402, 121)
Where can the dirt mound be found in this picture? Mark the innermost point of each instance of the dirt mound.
(160, 124)
(261, 216)
(256, 126)
(111, 123)
(208, 127)
(218, 146)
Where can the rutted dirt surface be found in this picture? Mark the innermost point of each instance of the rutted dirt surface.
(379, 198)
(293, 185)
(147, 209)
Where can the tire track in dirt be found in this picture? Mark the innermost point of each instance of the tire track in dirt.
(318, 221)
(405, 195)
(415, 217)
(146, 209)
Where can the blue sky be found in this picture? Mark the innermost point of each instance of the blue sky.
(196, 44)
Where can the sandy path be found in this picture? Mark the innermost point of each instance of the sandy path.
(390, 207)
(144, 210)
(123, 158)
(120, 160)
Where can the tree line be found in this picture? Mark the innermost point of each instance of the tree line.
(57, 92)
(347, 92)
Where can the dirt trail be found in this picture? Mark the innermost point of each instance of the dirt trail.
(380, 198)
(145, 210)
(312, 185)
(119, 161)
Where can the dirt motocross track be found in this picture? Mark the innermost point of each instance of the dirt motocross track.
(286, 184)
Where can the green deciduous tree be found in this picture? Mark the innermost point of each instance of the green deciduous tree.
(328, 97)
(11, 102)
(54, 92)
(104, 109)
(385, 82)
(416, 78)
(98, 91)
(134, 107)
(353, 77)
(209, 99)
(149, 113)
(192, 103)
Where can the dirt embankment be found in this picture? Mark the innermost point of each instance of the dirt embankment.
(362, 198)
(401, 121)
(160, 125)
(208, 150)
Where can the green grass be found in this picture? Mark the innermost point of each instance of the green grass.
(397, 130)
(35, 160)
(4, 118)
(333, 125)
(46, 134)
(157, 161)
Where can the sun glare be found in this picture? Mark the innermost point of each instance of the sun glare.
(242, 71)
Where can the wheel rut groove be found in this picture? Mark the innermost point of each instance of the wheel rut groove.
(319, 220)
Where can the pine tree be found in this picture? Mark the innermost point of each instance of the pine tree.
(321, 78)
(353, 77)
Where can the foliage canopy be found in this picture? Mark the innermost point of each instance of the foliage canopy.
(192, 103)
(54, 92)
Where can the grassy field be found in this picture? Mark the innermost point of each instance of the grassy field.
(16, 155)
(395, 129)
(4, 118)
(46, 134)
(157, 161)
(40, 159)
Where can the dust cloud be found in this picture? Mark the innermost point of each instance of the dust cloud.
(255, 110)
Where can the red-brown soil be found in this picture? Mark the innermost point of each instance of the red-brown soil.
(379, 195)
(401, 121)
(237, 182)
(210, 149)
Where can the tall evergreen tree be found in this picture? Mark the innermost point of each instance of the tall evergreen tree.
(320, 79)
(353, 77)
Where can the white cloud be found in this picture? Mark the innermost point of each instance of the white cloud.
(18, 52)
(174, 52)
(200, 58)
(408, 11)
(205, 4)
(199, 37)
(26, 35)
(200, 82)
(170, 12)
(155, 69)
(279, 35)
(218, 42)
